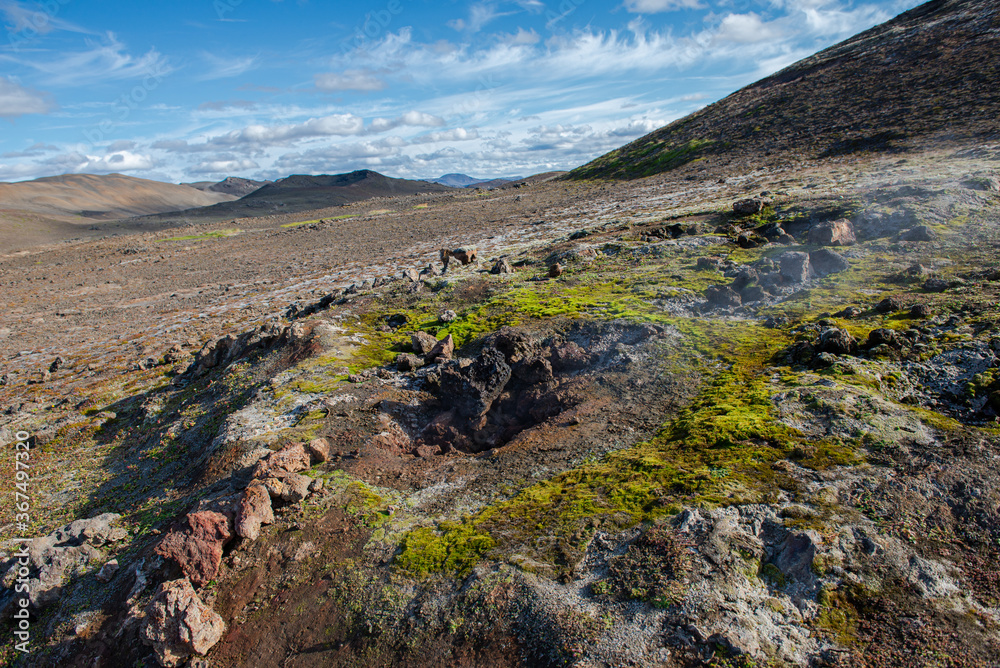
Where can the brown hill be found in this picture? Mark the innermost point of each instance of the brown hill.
(231, 185)
(102, 197)
(929, 75)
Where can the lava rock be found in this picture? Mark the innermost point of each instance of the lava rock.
(884, 337)
(423, 343)
(442, 351)
(253, 510)
(849, 313)
(179, 625)
(889, 305)
(722, 296)
(795, 267)
(197, 548)
(409, 362)
(556, 270)
(502, 266)
(935, 285)
(919, 233)
(825, 262)
(833, 233)
(750, 206)
(836, 341)
(745, 277)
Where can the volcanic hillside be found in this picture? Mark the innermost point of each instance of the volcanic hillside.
(927, 76)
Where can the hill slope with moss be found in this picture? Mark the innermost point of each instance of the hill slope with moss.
(928, 76)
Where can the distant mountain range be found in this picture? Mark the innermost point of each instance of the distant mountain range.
(466, 181)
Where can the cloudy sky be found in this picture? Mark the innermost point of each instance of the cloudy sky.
(194, 90)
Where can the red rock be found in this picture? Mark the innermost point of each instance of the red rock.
(178, 624)
(319, 450)
(197, 549)
(253, 510)
(423, 342)
(290, 487)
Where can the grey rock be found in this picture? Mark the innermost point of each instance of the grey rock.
(825, 262)
(794, 267)
(833, 233)
(919, 233)
(179, 625)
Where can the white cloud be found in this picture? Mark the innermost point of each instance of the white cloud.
(410, 118)
(25, 21)
(77, 163)
(458, 134)
(16, 100)
(746, 29)
(222, 67)
(226, 167)
(101, 62)
(654, 6)
(359, 80)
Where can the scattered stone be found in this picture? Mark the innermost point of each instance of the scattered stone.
(448, 316)
(423, 343)
(57, 364)
(178, 624)
(319, 450)
(794, 267)
(707, 263)
(919, 233)
(849, 313)
(431, 270)
(408, 362)
(290, 459)
(889, 305)
(836, 341)
(502, 266)
(745, 277)
(920, 311)
(722, 296)
(411, 275)
(750, 206)
(556, 270)
(108, 571)
(442, 351)
(753, 293)
(935, 285)
(289, 487)
(833, 233)
(466, 255)
(884, 336)
(197, 548)
(825, 262)
(253, 510)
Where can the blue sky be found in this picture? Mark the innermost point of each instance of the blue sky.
(199, 90)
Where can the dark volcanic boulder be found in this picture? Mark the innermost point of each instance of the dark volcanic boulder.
(472, 390)
(919, 233)
(836, 341)
(722, 296)
(825, 262)
(883, 336)
(794, 267)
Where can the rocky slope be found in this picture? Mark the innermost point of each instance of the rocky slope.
(927, 77)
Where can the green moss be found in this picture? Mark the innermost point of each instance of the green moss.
(718, 451)
(320, 220)
(837, 617)
(452, 547)
(217, 234)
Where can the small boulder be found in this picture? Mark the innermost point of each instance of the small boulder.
(289, 487)
(836, 341)
(935, 285)
(753, 293)
(319, 450)
(57, 364)
(794, 267)
(708, 263)
(849, 313)
(253, 510)
(411, 275)
(920, 311)
(422, 342)
(750, 206)
(197, 548)
(290, 459)
(833, 233)
(448, 316)
(825, 262)
(883, 336)
(442, 351)
(919, 233)
(502, 266)
(746, 276)
(722, 296)
(179, 625)
(556, 270)
(107, 571)
(409, 362)
(889, 305)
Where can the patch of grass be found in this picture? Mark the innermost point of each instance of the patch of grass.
(217, 234)
(319, 220)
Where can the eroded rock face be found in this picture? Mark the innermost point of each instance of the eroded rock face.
(178, 625)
